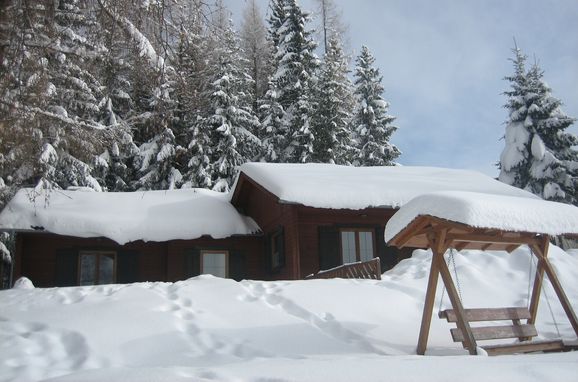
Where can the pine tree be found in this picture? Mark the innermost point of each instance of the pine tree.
(333, 107)
(293, 79)
(230, 120)
(539, 155)
(371, 122)
(198, 172)
(158, 163)
(50, 97)
(273, 131)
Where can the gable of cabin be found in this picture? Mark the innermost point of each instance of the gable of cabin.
(301, 240)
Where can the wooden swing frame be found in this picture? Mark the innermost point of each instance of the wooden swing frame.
(439, 234)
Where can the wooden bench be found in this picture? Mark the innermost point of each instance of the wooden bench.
(517, 330)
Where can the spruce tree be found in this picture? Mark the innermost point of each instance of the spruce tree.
(293, 79)
(371, 122)
(333, 108)
(157, 163)
(50, 97)
(539, 154)
(230, 121)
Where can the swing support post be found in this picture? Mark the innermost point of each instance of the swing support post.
(438, 266)
(429, 298)
(544, 266)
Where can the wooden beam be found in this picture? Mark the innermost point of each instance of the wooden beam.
(544, 265)
(540, 251)
(461, 246)
(410, 231)
(436, 244)
(486, 246)
(561, 294)
(462, 322)
(481, 238)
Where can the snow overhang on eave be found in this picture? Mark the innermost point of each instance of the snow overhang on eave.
(383, 207)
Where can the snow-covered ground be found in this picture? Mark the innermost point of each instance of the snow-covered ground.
(207, 328)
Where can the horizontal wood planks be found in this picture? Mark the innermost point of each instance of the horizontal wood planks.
(488, 314)
(525, 347)
(497, 332)
(367, 270)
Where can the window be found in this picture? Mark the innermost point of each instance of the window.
(356, 245)
(215, 263)
(97, 267)
(277, 250)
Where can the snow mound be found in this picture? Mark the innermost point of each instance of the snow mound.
(334, 186)
(207, 328)
(127, 216)
(23, 283)
(506, 213)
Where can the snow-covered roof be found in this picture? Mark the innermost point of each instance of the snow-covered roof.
(127, 216)
(345, 187)
(502, 212)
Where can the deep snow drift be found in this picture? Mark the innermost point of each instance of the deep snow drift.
(207, 328)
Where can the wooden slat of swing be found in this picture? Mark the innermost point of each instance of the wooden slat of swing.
(526, 347)
(488, 314)
(497, 332)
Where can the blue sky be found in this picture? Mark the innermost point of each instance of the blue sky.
(443, 64)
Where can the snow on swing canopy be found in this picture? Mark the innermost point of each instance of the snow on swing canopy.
(488, 211)
(127, 216)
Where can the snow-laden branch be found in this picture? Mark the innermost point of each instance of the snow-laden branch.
(145, 47)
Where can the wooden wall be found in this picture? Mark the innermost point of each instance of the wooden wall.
(37, 254)
(302, 224)
(311, 219)
(253, 200)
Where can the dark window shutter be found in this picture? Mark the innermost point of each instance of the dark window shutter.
(275, 239)
(66, 268)
(127, 267)
(329, 253)
(268, 249)
(280, 238)
(236, 265)
(387, 255)
(192, 263)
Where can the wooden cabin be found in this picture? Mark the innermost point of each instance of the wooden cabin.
(280, 221)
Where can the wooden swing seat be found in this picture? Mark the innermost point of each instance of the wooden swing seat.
(517, 330)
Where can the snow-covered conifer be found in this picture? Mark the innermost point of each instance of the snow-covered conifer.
(50, 96)
(230, 121)
(157, 163)
(539, 154)
(333, 107)
(292, 81)
(371, 121)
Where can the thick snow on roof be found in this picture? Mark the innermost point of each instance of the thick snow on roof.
(333, 186)
(507, 213)
(127, 216)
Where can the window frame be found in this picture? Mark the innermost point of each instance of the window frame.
(357, 230)
(276, 252)
(214, 251)
(98, 254)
